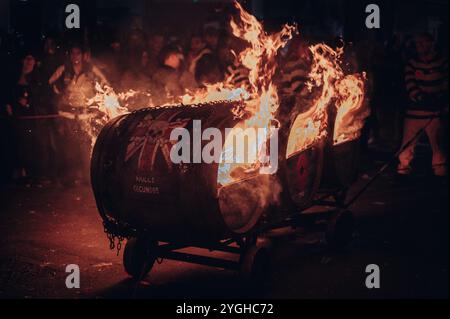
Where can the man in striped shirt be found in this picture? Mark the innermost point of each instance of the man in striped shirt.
(426, 79)
(295, 71)
(237, 75)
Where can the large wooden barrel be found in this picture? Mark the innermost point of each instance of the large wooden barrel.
(137, 186)
(301, 168)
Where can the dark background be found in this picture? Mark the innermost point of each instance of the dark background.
(32, 19)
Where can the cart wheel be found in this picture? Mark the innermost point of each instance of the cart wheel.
(255, 262)
(139, 256)
(339, 231)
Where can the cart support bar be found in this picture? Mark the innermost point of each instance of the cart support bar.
(201, 260)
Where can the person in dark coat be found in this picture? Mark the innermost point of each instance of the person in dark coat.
(21, 106)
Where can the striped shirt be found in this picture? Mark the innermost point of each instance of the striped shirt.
(294, 75)
(426, 83)
(237, 75)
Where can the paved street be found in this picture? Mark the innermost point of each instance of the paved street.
(402, 227)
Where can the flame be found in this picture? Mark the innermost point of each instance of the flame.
(261, 98)
(310, 126)
(102, 107)
(347, 93)
(351, 111)
(107, 101)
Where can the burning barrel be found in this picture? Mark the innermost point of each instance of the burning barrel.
(138, 187)
(342, 151)
(326, 132)
(318, 163)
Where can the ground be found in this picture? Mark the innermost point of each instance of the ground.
(402, 226)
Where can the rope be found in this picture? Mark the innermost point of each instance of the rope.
(38, 117)
(32, 117)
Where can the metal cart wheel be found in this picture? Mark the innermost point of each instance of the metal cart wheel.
(255, 262)
(139, 256)
(340, 229)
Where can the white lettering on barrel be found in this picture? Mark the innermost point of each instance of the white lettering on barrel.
(146, 189)
(145, 179)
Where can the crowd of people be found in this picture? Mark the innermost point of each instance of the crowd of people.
(43, 100)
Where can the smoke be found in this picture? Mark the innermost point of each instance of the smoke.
(244, 202)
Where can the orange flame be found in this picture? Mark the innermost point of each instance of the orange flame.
(351, 111)
(262, 100)
(347, 92)
(107, 101)
(310, 126)
(105, 106)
